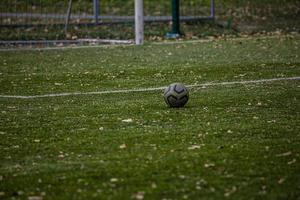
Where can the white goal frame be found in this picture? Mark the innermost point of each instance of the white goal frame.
(139, 22)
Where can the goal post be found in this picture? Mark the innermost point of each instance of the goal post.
(139, 22)
(68, 16)
(96, 11)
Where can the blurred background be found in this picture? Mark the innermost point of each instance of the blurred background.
(24, 20)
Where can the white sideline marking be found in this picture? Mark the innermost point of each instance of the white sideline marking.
(147, 89)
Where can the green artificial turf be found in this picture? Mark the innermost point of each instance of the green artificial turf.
(228, 142)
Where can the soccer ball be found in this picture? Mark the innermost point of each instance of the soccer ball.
(176, 95)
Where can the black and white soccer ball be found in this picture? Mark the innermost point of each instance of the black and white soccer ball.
(176, 95)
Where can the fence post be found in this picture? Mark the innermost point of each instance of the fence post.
(175, 33)
(68, 16)
(96, 11)
(139, 22)
(212, 9)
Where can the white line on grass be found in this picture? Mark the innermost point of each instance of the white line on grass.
(147, 89)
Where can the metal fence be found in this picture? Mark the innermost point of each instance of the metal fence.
(54, 12)
(46, 19)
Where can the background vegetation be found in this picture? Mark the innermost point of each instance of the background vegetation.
(233, 17)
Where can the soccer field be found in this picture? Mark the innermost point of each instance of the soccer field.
(91, 123)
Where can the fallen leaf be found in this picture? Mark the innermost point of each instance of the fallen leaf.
(61, 156)
(292, 161)
(284, 154)
(35, 198)
(230, 191)
(281, 180)
(194, 147)
(207, 165)
(127, 120)
(113, 180)
(153, 185)
(182, 176)
(139, 195)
